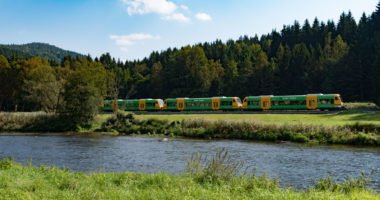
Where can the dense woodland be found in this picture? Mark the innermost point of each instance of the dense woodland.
(35, 49)
(310, 57)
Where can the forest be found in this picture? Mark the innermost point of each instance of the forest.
(302, 58)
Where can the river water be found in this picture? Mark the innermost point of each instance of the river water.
(293, 164)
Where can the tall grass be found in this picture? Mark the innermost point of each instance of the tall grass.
(356, 134)
(221, 167)
(360, 106)
(347, 186)
(126, 123)
(29, 182)
(34, 122)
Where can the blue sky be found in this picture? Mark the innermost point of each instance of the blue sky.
(132, 29)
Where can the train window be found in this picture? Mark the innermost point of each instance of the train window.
(172, 104)
(225, 103)
(253, 103)
(325, 101)
(275, 103)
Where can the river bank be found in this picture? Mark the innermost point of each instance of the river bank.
(351, 134)
(213, 180)
(365, 130)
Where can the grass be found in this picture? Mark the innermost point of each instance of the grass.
(348, 127)
(42, 122)
(356, 134)
(214, 178)
(343, 118)
(362, 106)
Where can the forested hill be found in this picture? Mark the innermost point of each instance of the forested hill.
(42, 50)
(307, 57)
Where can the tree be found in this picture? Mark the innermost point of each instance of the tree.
(83, 92)
(42, 88)
(5, 86)
(347, 27)
(156, 80)
(298, 69)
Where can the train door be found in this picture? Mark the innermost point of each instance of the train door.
(311, 102)
(181, 104)
(142, 105)
(215, 103)
(265, 102)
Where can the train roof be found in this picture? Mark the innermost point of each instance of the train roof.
(320, 94)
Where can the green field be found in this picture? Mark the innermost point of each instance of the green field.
(342, 118)
(29, 182)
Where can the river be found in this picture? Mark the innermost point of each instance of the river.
(293, 164)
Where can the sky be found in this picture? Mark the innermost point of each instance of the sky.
(132, 29)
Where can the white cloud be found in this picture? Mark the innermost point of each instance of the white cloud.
(203, 17)
(128, 40)
(162, 7)
(184, 7)
(179, 17)
(166, 8)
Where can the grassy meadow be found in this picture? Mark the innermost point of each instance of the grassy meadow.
(342, 118)
(363, 113)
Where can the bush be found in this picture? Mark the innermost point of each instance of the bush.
(126, 123)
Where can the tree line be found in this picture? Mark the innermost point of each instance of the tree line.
(315, 57)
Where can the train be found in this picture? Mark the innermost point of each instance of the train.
(249, 103)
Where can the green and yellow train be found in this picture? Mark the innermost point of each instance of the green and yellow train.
(290, 102)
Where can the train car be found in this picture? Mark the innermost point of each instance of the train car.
(108, 105)
(202, 104)
(134, 105)
(293, 102)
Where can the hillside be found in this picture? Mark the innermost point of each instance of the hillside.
(36, 49)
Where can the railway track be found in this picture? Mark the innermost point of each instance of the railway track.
(316, 112)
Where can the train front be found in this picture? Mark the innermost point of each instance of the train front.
(338, 103)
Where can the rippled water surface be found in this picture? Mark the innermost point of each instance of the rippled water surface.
(293, 164)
